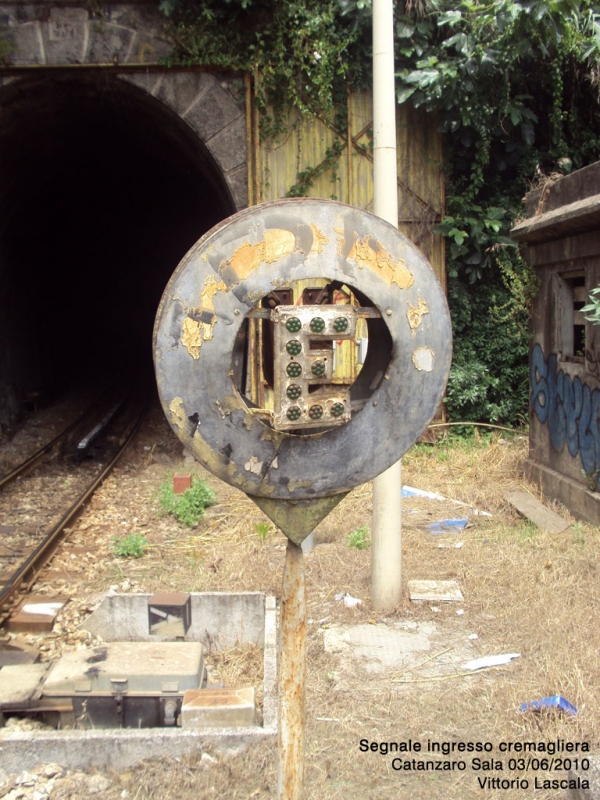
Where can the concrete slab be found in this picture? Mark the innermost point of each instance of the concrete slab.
(536, 512)
(21, 685)
(435, 591)
(17, 652)
(379, 647)
(218, 619)
(218, 708)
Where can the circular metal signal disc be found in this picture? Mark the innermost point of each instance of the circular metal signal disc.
(227, 273)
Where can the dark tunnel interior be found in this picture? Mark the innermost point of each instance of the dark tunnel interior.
(103, 191)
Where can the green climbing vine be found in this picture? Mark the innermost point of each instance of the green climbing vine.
(307, 177)
(515, 87)
(306, 52)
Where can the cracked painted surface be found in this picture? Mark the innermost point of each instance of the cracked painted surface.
(376, 257)
(198, 327)
(416, 313)
(226, 274)
(422, 358)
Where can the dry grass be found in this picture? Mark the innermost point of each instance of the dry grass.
(525, 591)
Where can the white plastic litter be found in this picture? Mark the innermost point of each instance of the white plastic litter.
(473, 636)
(410, 491)
(491, 661)
(349, 601)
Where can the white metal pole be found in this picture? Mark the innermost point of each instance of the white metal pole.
(386, 527)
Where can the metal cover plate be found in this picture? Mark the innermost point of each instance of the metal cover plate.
(124, 667)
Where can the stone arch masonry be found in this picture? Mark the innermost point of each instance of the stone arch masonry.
(128, 40)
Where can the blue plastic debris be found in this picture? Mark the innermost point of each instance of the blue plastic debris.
(444, 525)
(556, 701)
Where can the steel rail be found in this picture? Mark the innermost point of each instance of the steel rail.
(35, 560)
(20, 468)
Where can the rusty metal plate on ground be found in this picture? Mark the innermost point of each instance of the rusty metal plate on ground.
(216, 322)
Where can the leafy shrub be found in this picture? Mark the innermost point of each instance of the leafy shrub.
(133, 545)
(489, 378)
(358, 538)
(187, 507)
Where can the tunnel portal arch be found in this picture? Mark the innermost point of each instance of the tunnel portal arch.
(108, 180)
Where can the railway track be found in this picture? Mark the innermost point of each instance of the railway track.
(43, 494)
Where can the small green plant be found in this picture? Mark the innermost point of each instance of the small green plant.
(358, 538)
(133, 545)
(579, 534)
(591, 479)
(262, 529)
(187, 507)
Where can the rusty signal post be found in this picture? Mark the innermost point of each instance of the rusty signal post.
(301, 347)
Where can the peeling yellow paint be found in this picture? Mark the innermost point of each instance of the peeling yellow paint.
(341, 240)
(194, 332)
(380, 261)
(415, 313)
(245, 259)
(211, 287)
(278, 243)
(422, 358)
(293, 485)
(178, 415)
(319, 240)
(191, 338)
(275, 244)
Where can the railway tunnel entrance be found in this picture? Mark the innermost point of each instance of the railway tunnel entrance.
(104, 188)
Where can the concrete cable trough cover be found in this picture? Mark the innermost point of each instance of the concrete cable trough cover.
(219, 621)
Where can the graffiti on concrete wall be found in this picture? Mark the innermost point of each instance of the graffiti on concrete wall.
(570, 408)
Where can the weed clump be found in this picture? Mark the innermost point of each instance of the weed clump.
(358, 539)
(262, 529)
(187, 507)
(133, 545)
